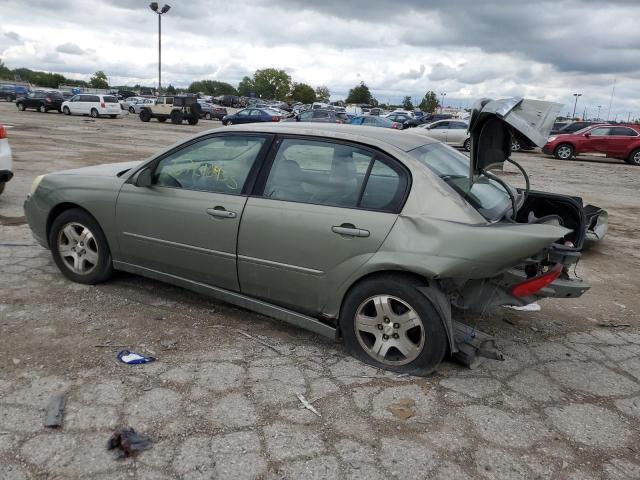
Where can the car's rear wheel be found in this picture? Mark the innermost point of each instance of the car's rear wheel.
(94, 113)
(145, 115)
(515, 145)
(388, 323)
(229, 122)
(467, 145)
(564, 151)
(634, 158)
(193, 121)
(42, 109)
(207, 116)
(80, 248)
(66, 111)
(176, 117)
(131, 110)
(20, 106)
(2, 184)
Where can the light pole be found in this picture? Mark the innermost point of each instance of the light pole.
(154, 6)
(575, 104)
(599, 107)
(442, 95)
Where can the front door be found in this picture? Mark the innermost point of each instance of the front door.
(324, 210)
(595, 141)
(186, 223)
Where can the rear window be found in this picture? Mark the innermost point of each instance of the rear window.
(110, 99)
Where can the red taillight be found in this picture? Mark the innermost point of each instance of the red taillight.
(275, 119)
(3, 132)
(102, 105)
(395, 125)
(535, 284)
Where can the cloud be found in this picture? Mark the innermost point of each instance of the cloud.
(70, 49)
(13, 36)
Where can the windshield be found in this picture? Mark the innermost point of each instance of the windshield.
(485, 195)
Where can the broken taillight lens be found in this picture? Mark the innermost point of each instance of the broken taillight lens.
(535, 284)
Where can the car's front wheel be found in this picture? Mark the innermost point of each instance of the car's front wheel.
(516, 146)
(94, 113)
(207, 116)
(66, 111)
(80, 248)
(634, 158)
(467, 145)
(176, 117)
(563, 151)
(20, 106)
(145, 115)
(132, 110)
(42, 109)
(386, 322)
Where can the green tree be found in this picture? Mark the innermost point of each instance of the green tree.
(99, 80)
(323, 94)
(171, 90)
(212, 87)
(5, 72)
(301, 92)
(406, 103)
(272, 84)
(359, 94)
(246, 86)
(430, 102)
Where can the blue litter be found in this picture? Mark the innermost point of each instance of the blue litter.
(132, 358)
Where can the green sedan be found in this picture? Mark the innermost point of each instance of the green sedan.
(368, 235)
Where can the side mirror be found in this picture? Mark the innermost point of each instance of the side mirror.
(588, 134)
(143, 178)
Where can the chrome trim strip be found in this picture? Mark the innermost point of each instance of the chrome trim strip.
(180, 245)
(280, 313)
(286, 266)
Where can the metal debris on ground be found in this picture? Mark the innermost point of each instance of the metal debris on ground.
(261, 342)
(132, 358)
(128, 443)
(531, 307)
(55, 412)
(306, 404)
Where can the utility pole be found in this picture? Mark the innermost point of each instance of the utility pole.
(442, 95)
(575, 104)
(154, 6)
(628, 117)
(599, 106)
(611, 99)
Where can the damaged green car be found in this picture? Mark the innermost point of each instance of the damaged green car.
(366, 235)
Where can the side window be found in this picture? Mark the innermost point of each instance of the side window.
(306, 115)
(458, 125)
(321, 173)
(320, 114)
(385, 188)
(169, 100)
(442, 125)
(370, 121)
(243, 113)
(600, 132)
(219, 164)
(623, 132)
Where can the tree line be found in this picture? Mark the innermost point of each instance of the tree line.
(267, 83)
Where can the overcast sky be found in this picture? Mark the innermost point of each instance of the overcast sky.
(466, 48)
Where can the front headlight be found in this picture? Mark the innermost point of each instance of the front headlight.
(35, 183)
(551, 139)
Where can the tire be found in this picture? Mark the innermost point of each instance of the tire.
(94, 113)
(207, 116)
(564, 151)
(193, 121)
(20, 106)
(42, 109)
(162, 119)
(229, 122)
(132, 110)
(2, 184)
(424, 337)
(75, 229)
(145, 115)
(634, 158)
(467, 145)
(516, 146)
(66, 111)
(176, 117)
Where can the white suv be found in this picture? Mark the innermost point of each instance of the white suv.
(92, 104)
(5, 159)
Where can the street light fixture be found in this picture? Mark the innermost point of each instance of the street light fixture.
(575, 104)
(154, 6)
(599, 107)
(442, 101)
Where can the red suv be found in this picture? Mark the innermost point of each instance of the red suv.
(616, 141)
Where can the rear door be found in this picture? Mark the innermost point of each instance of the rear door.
(439, 130)
(186, 223)
(319, 212)
(620, 141)
(456, 133)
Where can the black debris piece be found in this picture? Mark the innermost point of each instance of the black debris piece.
(128, 443)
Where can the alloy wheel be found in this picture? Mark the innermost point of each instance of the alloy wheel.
(636, 158)
(78, 248)
(564, 152)
(389, 330)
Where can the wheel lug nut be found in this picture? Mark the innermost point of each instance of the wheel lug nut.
(396, 336)
(380, 327)
(385, 337)
(396, 325)
(386, 320)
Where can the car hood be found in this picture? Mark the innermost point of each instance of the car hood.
(493, 122)
(106, 170)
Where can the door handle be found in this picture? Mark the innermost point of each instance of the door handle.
(350, 230)
(221, 212)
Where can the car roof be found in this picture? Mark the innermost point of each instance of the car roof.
(402, 140)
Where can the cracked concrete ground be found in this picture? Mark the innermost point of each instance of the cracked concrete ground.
(565, 404)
